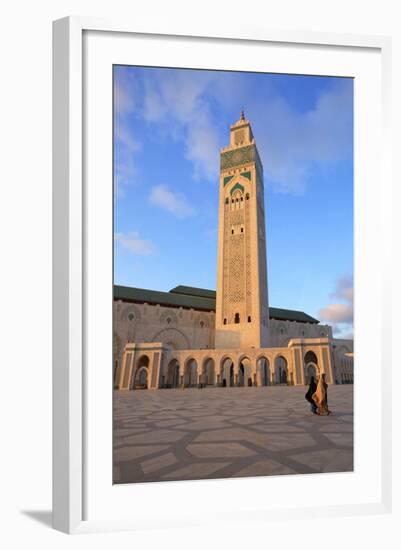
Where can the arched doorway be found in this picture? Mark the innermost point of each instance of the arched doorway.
(263, 370)
(173, 374)
(244, 371)
(281, 370)
(141, 373)
(191, 373)
(310, 367)
(226, 372)
(142, 379)
(208, 372)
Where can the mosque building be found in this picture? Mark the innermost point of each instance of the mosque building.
(192, 337)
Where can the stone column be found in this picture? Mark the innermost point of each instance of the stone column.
(154, 371)
(258, 374)
(325, 354)
(127, 370)
(298, 366)
(235, 373)
(122, 370)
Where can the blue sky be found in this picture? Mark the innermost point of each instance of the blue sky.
(169, 126)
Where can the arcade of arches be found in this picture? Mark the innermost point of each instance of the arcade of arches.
(154, 366)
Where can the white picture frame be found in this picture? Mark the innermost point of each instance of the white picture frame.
(72, 255)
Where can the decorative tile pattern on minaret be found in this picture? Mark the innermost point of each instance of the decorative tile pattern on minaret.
(242, 299)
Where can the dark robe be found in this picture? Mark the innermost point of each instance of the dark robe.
(311, 390)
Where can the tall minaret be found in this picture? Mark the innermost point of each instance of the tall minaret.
(242, 310)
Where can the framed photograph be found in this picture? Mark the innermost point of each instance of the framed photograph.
(219, 265)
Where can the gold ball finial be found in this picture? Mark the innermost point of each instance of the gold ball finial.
(242, 115)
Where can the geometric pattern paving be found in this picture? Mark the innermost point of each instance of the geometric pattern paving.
(166, 435)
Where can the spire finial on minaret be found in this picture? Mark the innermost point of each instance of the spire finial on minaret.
(242, 118)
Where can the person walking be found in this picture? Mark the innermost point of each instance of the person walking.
(308, 396)
(320, 396)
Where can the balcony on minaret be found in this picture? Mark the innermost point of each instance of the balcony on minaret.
(241, 132)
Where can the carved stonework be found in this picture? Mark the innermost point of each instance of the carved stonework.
(237, 157)
(237, 217)
(130, 313)
(226, 259)
(171, 336)
(168, 318)
(201, 321)
(236, 269)
(248, 262)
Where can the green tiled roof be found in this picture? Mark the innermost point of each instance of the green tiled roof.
(291, 315)
(193, 291)
(196, 298)
(164, 298)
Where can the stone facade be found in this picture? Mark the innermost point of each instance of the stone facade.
(170, 340)
(174, 328)
(168, 368)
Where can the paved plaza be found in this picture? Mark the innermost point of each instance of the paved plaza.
(166, 435)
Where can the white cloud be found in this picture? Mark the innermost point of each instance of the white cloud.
(340, 314)
(344, 289)
(125, 171)
(125, 93)
(293, 143)
(122, 100)
(126, 142)
(125, 136)
(134, 244)
(202, 150)
(337, 313)
(178, 104)
(175, 203)
(346, 335)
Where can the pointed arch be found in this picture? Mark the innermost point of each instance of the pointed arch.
(226, 371)
(173, 374)
(263, 370)
(281, 369)
(190, 372)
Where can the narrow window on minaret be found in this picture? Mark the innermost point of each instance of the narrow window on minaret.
(225, 322)
(236, 319)
(242, 229)
(249, 318)
(232, 231)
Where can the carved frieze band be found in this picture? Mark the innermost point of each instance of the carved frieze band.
(243, 155)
